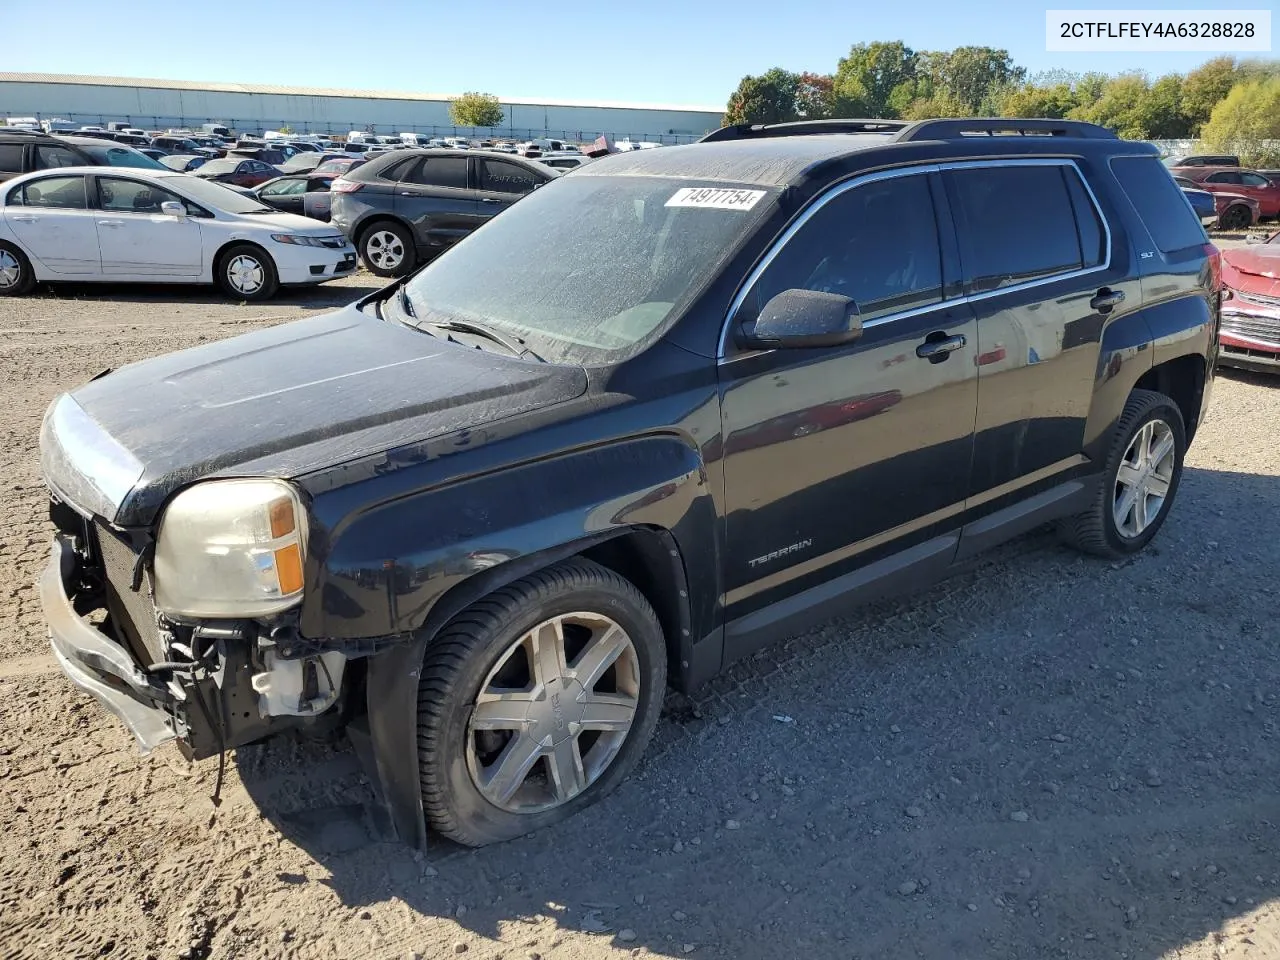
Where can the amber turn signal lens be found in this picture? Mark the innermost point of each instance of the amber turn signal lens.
(281, 517)
(289, 569)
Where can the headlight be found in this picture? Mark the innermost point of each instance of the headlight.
(301, 241)
(231, 548)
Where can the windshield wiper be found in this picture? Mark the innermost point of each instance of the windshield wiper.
(405, 303)
(513, 343)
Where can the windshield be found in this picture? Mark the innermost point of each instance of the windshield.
(215, 195)
(118, 156)
(589, 268)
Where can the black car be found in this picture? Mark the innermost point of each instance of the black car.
(404, 207)
(305, 195)
(484, 516)
(24, 151)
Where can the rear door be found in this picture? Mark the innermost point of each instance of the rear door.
(1042, 280)
(501, 183)
(137, 239)
(433, 195)
(51, 219)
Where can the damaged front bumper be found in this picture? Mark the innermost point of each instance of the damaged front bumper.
(100, 666)
(1249, 337)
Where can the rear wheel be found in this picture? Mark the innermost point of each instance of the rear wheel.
(245, 272)
(1143, 469)
(16, 275)
(537, 701)
(1236, 218)
(387, 249)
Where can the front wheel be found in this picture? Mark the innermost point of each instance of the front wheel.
(1143, 469)
(245, 272)
(537, 701)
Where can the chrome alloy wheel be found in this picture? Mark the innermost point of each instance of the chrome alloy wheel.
(384, 250)
(553, 713)
(245, 274)
(10, 270)
(1143, 480)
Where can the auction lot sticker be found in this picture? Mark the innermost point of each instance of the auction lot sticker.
(1129, 31)
(715, 198)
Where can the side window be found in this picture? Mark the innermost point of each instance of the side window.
(506, 177)
(1254, 180)
(876, 244)
(399, 170)
(1015, 224)
(1223, 178)
(60, 193)
(245, 166)
(440, 172)
(51, 157)
(11, 157)
(1172, 225)
(1088, 224)
(118, 195)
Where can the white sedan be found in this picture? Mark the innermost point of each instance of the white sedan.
(116, 224)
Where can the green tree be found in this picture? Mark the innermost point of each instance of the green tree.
(1247, 116)
(940, 104)
(1088, 88)
(769, 98)
(1054, 101)
(974, 76)
(1205, 87)
(874, 80)
(815, 96)
(1121, 106)
(1162, 113)
(476, 110)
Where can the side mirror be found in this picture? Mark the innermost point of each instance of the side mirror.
(804, 318)
(171, 208)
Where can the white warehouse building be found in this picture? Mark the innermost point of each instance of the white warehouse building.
(255, 108)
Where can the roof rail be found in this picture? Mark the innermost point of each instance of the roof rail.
(996, 127)
(748, 131)
(24, 131)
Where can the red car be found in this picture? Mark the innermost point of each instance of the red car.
(1250, 333)
(237, 171)
(1236, 180)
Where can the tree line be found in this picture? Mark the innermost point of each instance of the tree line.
(1230, 104)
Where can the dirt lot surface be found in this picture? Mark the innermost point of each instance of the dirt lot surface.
(1047, 756)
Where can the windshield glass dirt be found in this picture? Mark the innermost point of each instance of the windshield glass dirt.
(589, 268)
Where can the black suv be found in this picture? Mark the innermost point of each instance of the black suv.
(403, 208)
(22, 151)
(485, 515)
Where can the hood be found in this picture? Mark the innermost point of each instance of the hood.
(290, 223)
(278, 402)
(1259, 259)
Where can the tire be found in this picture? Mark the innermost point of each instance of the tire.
(16, 276)
(490, 645)
(1098, 530)
(246, 272)
(387, 249)
(1236, 218)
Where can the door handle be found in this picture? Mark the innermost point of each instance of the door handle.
(937, 350)
(1105, 299)
(25, 219)
(488, 200)
(111, 223)
(408, 193)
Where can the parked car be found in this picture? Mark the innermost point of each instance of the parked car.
(340, 165)
(153, 153)
(1250, 332)
(306, 162)
(564, 161)
(273, 155)
(184, 145)
(183, 163)
(241, 171)
(403, 208)
(307, 195)
(1204, 160)
(1236, 212)
(1201, 201)
(93, 224)
(22, 151)
(486, 515)
(1236, 181)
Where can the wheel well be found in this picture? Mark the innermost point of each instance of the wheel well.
(1182, 381)
(373, 221)
(222, 252)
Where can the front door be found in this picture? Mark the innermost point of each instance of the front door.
(837, 456)
(137, 239)
(501, 183)
(433, 195)
(53, 224)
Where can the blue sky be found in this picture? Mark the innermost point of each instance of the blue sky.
(656, 51)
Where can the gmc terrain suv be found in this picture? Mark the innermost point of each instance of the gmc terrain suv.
(485, 515)
(23, 151)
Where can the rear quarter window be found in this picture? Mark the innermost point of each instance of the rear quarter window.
(1160, 204)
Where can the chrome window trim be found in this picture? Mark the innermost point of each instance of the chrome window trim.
(923, 169)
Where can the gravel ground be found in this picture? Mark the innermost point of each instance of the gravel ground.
(1046, 756)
